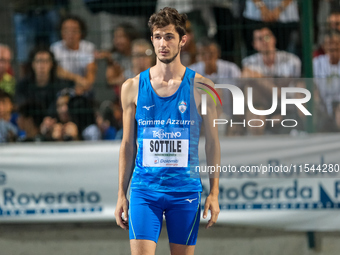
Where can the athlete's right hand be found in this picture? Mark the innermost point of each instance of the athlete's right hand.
(122, 207)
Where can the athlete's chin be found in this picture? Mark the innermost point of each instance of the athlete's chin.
(166, 60)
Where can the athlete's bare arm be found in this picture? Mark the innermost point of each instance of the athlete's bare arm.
(213, 153)
(128, 148)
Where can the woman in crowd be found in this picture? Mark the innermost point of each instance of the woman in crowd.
(42, 84)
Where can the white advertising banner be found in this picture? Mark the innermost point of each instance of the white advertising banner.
(279, 182)
(58, 182)
(284, 182)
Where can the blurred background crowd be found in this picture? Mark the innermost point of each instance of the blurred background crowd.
(61, 72)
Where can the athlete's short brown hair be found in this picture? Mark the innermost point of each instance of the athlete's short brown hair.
(167, 16)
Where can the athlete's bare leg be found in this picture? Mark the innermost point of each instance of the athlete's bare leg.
(180, 249)
(142, 247)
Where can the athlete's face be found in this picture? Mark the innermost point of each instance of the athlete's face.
(167, 43)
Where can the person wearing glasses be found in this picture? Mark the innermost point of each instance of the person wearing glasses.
(41, 83)
(281, 16)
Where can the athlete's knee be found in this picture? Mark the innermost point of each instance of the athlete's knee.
(142, 247)
(180, 249)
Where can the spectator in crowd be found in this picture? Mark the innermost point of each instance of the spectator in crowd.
(118, 117)
(210, 64)
(105, 121)
(119, 59)
(31, 115)
(66, 132)
(336, 111)
(75, 56)
(217, 70)
(188, 51)
(334, 20)
(61, 128)
(123, 37)
(81, 112)
(321, 121)
(8, 131)
(322, 10)
(75, 119)
(281, 16)
(63, 98)
(142, 58)
(41, 84)
(35, 24)
(327, 70)
(269, 62)
(7, 82)
(333, 23)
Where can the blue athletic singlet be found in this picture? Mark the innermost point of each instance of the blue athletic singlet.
(167, 135)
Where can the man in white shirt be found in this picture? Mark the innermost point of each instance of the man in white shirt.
(269, 62)
(74, 55)
(217, 70)
(282, 16)
(327, 70)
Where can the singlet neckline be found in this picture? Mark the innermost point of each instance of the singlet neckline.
(174, 94)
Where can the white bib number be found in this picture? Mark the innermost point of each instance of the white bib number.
(165, 147)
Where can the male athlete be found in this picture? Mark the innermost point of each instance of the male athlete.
(158, 101)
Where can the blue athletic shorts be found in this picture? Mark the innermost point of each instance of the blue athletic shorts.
(182, 214)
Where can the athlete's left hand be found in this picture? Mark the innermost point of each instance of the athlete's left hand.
(211, 203)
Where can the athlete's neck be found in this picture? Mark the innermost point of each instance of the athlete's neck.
(174, 70)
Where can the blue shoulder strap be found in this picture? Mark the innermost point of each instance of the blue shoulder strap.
(145, 74)
(190, 73)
